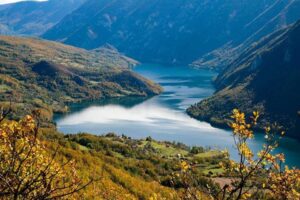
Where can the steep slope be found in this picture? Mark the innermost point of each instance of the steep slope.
(43, 74)
(270, 20)
(171, 31)
(34, 18)
(266, 77)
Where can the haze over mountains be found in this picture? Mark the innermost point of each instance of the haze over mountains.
(172, 31)
(34, 18)
(205, 33)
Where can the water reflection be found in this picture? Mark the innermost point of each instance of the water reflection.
(149, 113)
(162, 117)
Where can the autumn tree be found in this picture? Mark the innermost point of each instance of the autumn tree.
(262, 172)
(255, 175)
(28, 170)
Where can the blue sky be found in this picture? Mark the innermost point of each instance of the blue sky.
(13, 1)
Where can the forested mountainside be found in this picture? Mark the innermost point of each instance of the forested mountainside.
(265, 77)
(171, 31)
(34, 18)
(42, 74)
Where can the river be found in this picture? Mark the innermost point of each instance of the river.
(163, 117)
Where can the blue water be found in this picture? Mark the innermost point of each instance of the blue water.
(163, 117)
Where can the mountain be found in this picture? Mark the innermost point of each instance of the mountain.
(265, 77)
(34, 18)
(277, 16)
(42, 74)
(171, 31)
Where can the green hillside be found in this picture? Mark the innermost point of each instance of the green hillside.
(41, 74)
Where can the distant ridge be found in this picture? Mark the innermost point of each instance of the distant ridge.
(173, 31)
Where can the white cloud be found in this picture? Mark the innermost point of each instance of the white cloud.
(14, 1)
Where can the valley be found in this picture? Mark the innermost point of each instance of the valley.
(163, 117)
(150, 99)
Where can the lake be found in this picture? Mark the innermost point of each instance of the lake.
(163, 117)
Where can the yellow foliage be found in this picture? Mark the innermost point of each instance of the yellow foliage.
(27, 170)
(184, 166)
(263, 171)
